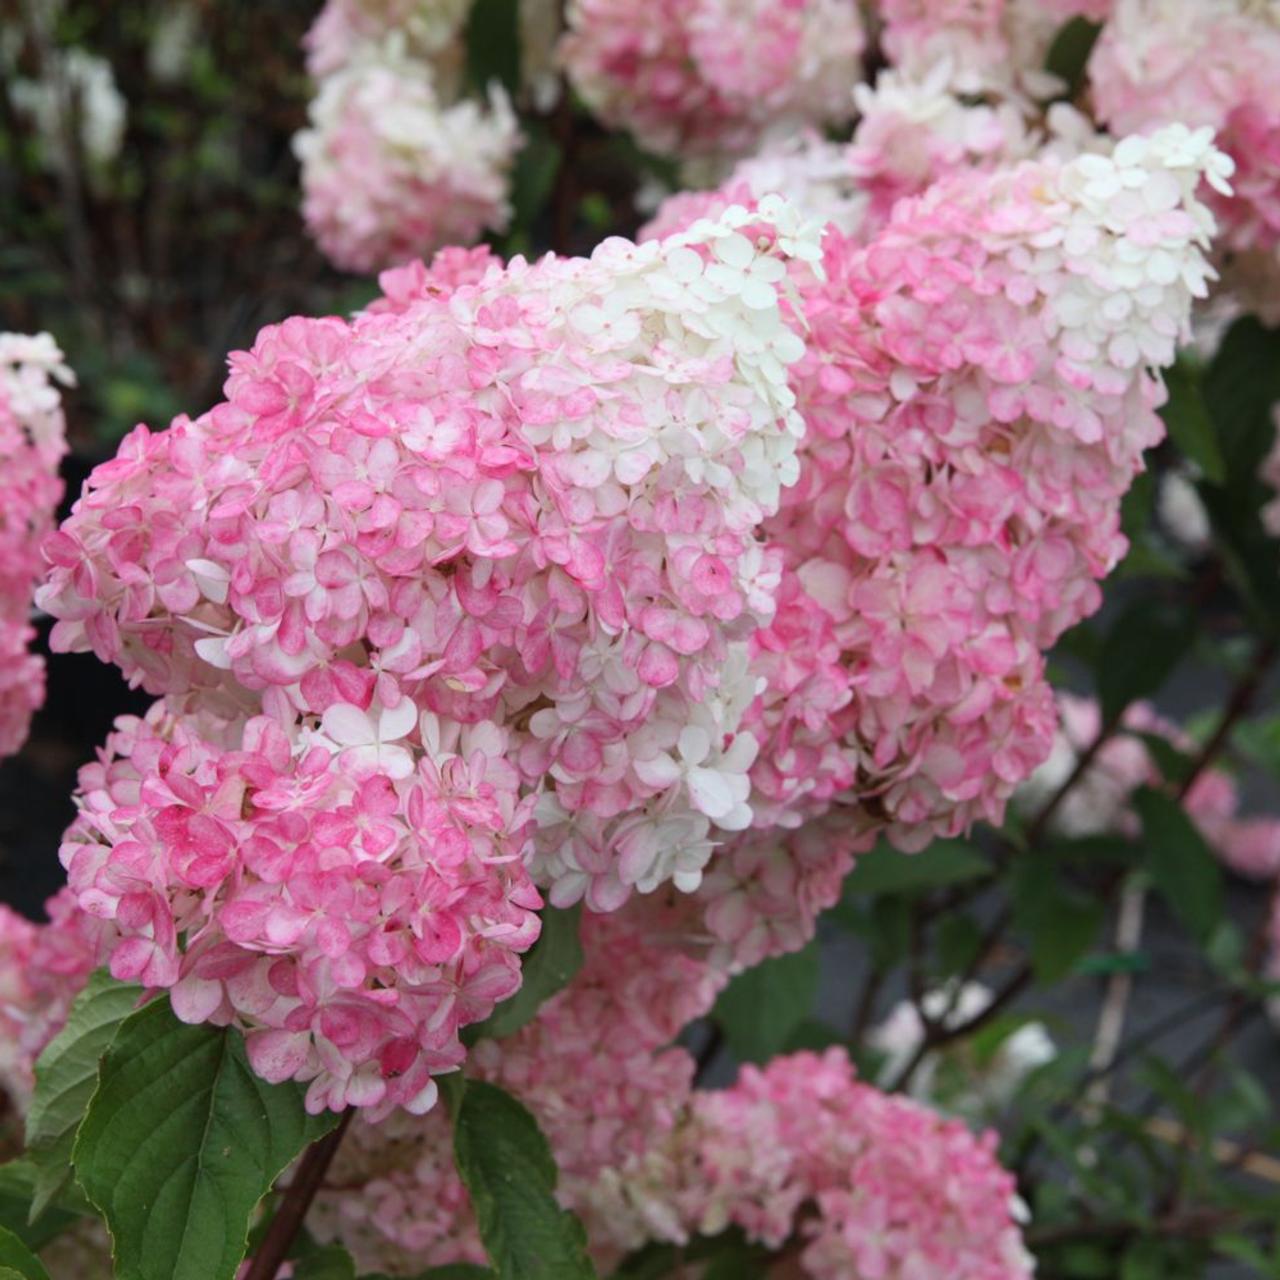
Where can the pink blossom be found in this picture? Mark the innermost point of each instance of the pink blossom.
(394, 166)
(32, 443)
(710, 77)
(453, 596)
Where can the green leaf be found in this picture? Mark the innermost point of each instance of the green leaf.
(1180, 863)
(1057, 922)
(332, 1262)
(1241, 384)
(493, 44)
(885, 870)
(883, 923)
(813, 1035)
(180, 1143)
(1174, 765)
(510, 1174)
(1069, 54)
(958, 940)
(1259, 742)
(1187, 418)
(458, 1271)
(1106, 963)
(17, 1188)
(1145, 643)
(1243, 1250)
(1138, 506)
(66, 1076)
(1145, 1260)
(1240, 387)
(650, 1262)
(16, 1257)
(761, 1008)
(551, 964)
(534, 176)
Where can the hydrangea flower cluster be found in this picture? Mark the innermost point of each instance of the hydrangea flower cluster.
(32, 444)
(464, 587)
(42, 969)
(1101, 801)
(799, 1150)
(985, 45)
(392, 168)
(977, 393)
(871, 1184)
(429, 31)
(1209, 65)
(710, 78)
(607, 1036)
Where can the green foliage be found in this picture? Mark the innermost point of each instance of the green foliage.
(1190, 427)
(764, 1006)
(18, 1189)
(651, 1262)
(332, 1262)
(1069, 54)
(1240, 387)
(16, 1258)
(66, 1076)
(180, 1142)
(458, 1271)
(886, 870)
(1057, 923)
(511, 1177)
(1258, 741)
(1144, 645)
(493, 44)
(550, 964)
(1181, 865)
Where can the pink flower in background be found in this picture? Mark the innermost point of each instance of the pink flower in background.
(32, 444)
(427, 29)
(1210, 65)
(393, 167)
(710, 78)
(1101, 800)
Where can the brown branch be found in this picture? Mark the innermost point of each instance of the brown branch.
(297, 1199)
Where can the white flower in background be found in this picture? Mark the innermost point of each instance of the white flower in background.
(956, 1078)
(173, 40)
(77, 90)
(1181, 512)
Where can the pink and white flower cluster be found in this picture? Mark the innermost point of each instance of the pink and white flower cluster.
(1209, 65)
(986, 45)
(977, 391)
(32, 444)
(872, 1184)
(712, 77)
(798, 1151)
(456, 594)
(607, 1038)
(427, 29)
(395, 161)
